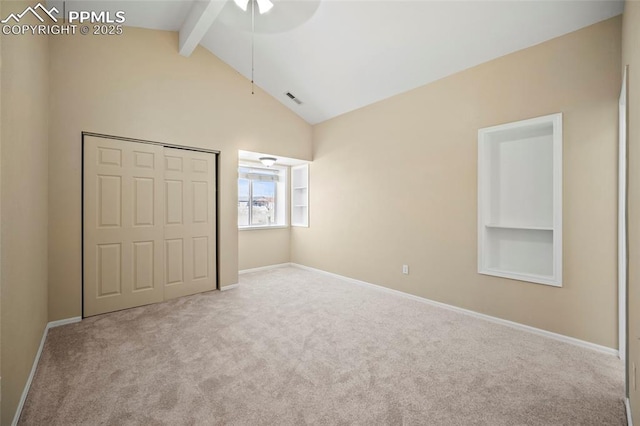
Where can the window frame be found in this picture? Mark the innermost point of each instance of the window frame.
(280, 196)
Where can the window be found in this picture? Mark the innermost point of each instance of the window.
(261, 196)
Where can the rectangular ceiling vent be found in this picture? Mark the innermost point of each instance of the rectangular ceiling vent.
(293, 98)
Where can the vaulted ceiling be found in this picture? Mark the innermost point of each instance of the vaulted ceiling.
(336, 56)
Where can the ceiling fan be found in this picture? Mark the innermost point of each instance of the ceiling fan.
(263, 5)
(271, 16)
(292, 14)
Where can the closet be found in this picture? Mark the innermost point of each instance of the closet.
(149, 223)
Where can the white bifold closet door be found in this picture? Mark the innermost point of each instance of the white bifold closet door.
(189, 224)
(149, 224)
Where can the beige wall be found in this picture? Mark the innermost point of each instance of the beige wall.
(263, 247)
(395, 183)
(1, 127)
(631, 57)
(24, 124)
(137, 85)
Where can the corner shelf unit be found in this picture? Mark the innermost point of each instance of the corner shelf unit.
(520, 200)
(300, 195)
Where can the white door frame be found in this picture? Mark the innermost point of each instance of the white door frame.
(622, 220)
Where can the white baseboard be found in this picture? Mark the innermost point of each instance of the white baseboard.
(27, 386)
(508, 323)
(264, 268)
(627, 404)
(229, 287)
(58, 323)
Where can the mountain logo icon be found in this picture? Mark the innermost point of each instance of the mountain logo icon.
(33, 10)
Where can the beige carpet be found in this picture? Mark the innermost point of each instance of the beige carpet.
(296, 347)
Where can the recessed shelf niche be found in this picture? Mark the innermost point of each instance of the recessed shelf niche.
(300, 195)
(520, 200)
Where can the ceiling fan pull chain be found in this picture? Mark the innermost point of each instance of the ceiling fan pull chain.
(253, 17)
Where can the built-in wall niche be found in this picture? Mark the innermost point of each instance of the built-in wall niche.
(520, 200)
(300, 195)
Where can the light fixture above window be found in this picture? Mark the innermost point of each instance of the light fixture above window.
(268, 161)
(263, 5)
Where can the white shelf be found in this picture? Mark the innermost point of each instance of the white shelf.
(528, 228)
(300, 195)
(524, 252)
(539, 279)
(520, 200)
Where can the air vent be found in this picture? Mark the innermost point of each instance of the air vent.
(293, 98)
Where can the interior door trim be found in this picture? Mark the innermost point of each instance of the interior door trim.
(216, 154)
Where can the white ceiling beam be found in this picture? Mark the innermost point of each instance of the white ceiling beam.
(198, 22)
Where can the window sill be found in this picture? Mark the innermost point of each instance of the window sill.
(260, 228)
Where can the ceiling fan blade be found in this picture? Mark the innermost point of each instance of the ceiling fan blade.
(242, 4)
(264, 6)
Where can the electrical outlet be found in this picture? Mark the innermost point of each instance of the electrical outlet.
(405, 269)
